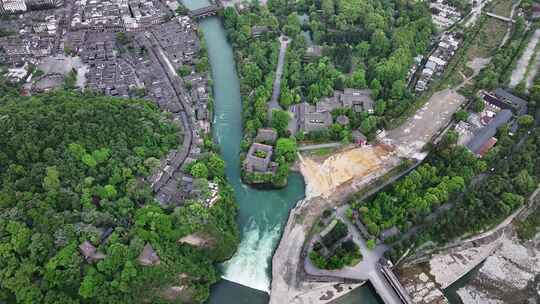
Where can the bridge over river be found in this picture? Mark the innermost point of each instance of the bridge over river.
(206, 11)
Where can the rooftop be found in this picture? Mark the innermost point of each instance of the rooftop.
(266, 135)
(478, 142)
(148, 256)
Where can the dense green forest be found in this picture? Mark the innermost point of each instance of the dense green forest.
(514, 173)
(421, 192)
(72, 168)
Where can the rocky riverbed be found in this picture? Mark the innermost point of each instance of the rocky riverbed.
(421, 286)
(510, 275)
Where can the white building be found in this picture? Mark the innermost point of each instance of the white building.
(13, 6)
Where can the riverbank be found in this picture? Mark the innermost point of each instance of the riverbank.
(261, 213)
(509, 273)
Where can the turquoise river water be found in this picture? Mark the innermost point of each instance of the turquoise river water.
(262, 213)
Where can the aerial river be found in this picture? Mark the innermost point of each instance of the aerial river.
(262, 213)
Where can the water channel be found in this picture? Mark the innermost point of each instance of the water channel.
(262, 213)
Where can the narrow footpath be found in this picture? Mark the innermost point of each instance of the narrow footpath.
(274, 104)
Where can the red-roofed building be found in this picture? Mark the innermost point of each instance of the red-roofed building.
(487, 146)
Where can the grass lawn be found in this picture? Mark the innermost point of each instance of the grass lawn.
(320, 152)
(355, 261)
(502, 8)
(488, 40)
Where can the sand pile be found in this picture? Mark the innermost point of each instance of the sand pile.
(323, 178)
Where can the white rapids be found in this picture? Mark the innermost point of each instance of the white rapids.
(251, 262)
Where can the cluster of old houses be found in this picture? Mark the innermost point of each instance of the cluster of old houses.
(147, 257)
(443, 14)
(129, 15)
(30, 40)
(107, 73)
(438, 60)
(259, 156)
(175, 45)
(21, 6)
(479, 131)
(172, 183)
(308, 118)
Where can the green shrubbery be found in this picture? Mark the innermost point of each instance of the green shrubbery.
(416, 195)
(337, 233)
(328, 254)
(346, 254)
(528, 228)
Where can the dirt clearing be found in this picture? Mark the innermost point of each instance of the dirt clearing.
(410, 138)
(322, 178)
(489, 39)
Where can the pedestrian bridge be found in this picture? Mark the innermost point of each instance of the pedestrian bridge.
(502, 18)
(203, 12)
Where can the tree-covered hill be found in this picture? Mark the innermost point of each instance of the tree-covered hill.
(71, 169)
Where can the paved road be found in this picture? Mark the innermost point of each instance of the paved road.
(274, 104)
(368, 269)
(320, 146)
(175, 82)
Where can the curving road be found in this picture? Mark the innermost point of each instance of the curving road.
(368, 269)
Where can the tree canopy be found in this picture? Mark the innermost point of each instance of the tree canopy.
(72, 169)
